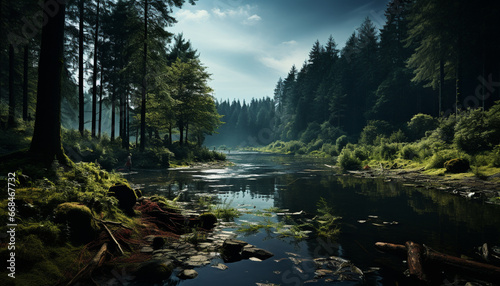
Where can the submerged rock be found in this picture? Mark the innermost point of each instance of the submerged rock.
(232, 249)
(259, 253)
(187, 274)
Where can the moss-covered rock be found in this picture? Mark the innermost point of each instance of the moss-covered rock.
(207, 220)
(79, 220)
(458, 165)
(126, 196)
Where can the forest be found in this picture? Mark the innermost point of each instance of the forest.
(126, 83)
(432, 68)
(89, 86)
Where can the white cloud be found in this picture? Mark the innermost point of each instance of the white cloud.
(290, 43)
(196, 16)
(219, 13)
(242, 14)
(252, 20)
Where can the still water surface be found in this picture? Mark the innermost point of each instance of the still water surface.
(442, 221)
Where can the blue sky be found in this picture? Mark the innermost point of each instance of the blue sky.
(247, 45)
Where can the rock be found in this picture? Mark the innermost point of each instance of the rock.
(158, 242)
(231, 250)
(457, 165)
(220, 266)
(197, 260)
(188, 274)
(259, 253)
(155, 270)
(126, 196)
(78, 217)
(207, 220)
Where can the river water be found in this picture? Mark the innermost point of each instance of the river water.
(372, 210)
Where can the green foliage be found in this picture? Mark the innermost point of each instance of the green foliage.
(459, 165)
(311, 132)
(373, 129)
(348, 160)
(207, 220)
(387, 151)
(397, 137)
(328, 225)
(409, 152)
(439, 158)
(477, 130)
(340, 143)
(420, 124)
(224, 211)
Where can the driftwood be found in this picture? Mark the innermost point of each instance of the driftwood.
(419, 256)
(93, 264)
(112, 223)
(114, 239)
(415, 253)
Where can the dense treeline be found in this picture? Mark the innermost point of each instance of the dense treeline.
(430, 57)
(122, 73)
(245, 124)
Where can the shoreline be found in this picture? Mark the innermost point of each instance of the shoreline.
(469, 187)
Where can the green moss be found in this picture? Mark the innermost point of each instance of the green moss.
(79, 219)
(207, 220)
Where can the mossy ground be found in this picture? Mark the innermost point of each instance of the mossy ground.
(45, 252)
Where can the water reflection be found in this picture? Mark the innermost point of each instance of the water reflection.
(389, 211)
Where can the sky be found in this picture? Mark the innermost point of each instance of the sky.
(248, 45)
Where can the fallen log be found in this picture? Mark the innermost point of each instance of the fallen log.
(415, 253)
(86, 271)
(419, 256)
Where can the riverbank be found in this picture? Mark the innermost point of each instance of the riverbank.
(466, 185)
(73, 223)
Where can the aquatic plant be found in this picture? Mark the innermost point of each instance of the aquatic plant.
(327, 223)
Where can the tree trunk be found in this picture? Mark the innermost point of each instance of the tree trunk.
(127, 121)
(81, 99)
(441, 85)
(94, 79)
(170, 134)
(181, 132)
(122, 117)
(12, 99)
(46, 141)
(144, 70)
(113, 112)
(25, 82)
(100, 105)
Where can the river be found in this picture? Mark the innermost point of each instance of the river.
(372, 210)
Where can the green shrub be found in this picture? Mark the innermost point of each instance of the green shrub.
(373, 129)
(420, 124)
(387, 151)
(311, 133)
(477, 131)
(329, 132)
(409, 152)
(397, 137)
(340, 143)
(439, 158)
(458, 165)
(347, 160)
(315, 145)
(362, 152)
(329, 149)
(294, 146)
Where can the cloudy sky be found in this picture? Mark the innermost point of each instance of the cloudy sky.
(248, 44)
